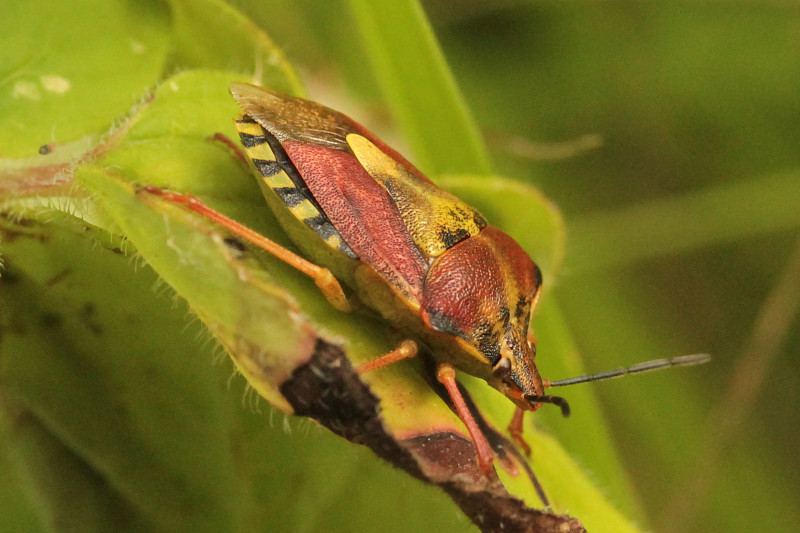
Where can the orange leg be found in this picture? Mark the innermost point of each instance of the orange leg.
(406, 350)
(446, 375)
(515, 430)
(323, 277)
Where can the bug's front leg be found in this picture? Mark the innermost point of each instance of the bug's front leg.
(446, 375)
(323, 278)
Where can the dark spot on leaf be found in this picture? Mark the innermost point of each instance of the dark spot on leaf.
(50, 320)
(235, 244)
(88, 319)
(46, 148)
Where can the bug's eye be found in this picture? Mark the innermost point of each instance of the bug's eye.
(503, 368)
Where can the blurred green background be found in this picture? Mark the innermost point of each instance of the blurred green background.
(668, 133)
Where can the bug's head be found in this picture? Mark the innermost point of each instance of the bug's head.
(483, 290)
(516, 376)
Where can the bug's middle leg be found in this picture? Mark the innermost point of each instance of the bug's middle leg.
(405, 350)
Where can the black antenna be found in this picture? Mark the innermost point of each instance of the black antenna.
(647, 366)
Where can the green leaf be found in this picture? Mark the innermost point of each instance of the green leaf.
(64, 77)
(212, 34)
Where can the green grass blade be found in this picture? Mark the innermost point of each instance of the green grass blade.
(419, 87)
(716, 215)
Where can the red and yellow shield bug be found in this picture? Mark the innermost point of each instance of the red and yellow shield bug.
(431, 265)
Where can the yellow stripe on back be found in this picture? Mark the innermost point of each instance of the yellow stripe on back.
(278, 180)
(261, 151)
(250, 128)
(305, 210)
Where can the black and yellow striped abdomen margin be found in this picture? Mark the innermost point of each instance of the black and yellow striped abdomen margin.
(281, 176)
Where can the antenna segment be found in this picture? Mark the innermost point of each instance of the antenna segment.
(647, 366)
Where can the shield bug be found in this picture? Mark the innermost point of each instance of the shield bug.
(366, 219)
